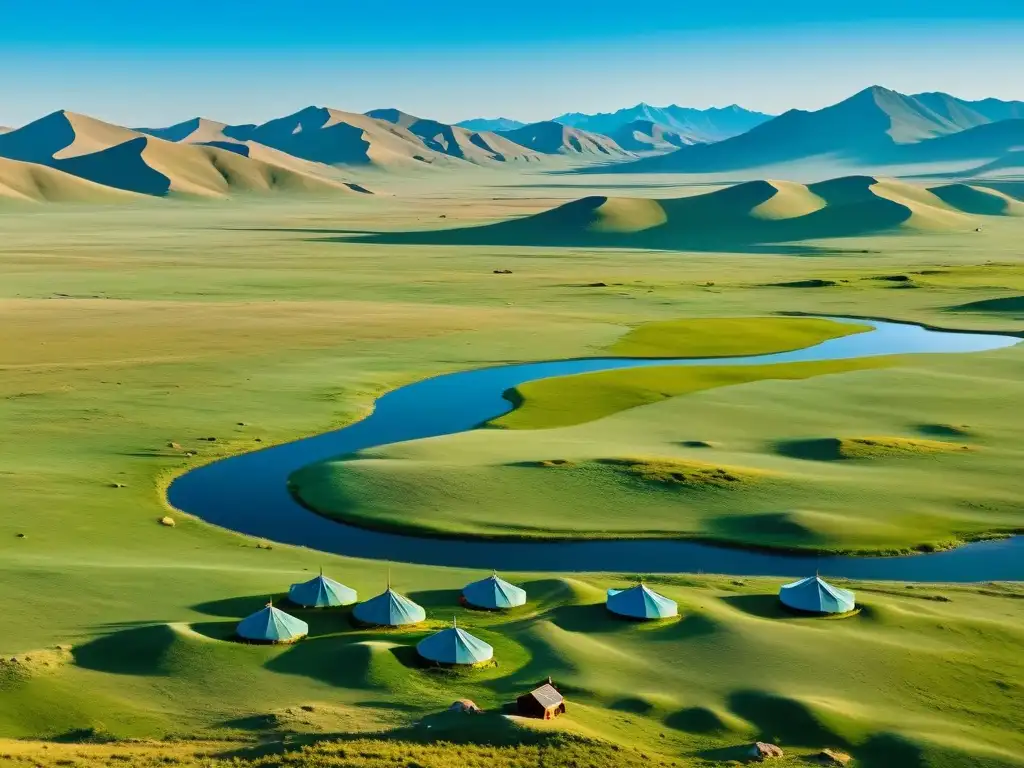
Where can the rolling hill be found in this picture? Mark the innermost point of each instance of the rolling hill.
(551, 138)
(751, 213)
(339, 138)
(874, 126)
(123, 159)
(697, 125)
(200, 130)
(479, 147)
(33, 183)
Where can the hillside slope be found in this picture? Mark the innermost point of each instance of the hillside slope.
(751, 213)
(551, 138)
(34, 183)
(478, 147)
(876, 125)
(123, 159)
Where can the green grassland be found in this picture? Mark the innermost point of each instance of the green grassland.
(130, 337)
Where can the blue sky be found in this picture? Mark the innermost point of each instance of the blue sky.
(150, 64)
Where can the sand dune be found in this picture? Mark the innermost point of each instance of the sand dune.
(978, 200)
(153, 167)
(479, 147)
(333, 137)
(200, 130)
(123, 159)
(34, 183)
(551, 138)
(756, 212)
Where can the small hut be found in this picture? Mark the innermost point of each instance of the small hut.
(641, 602)
(493, 594)
(321, 592)
(454, 647)
(389, 609)
(271, 626)
(543, 703)
(815, 595)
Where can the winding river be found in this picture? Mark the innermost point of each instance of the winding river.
(248, 493)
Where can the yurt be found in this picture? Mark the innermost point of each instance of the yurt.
(814, 595)
(454, 646)
(493, 594)
(389, 609)
(321, 592)
(641, 602)
(271, 626)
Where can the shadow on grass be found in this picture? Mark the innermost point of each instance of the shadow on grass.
(783, 720)
(322, 621)
(136, 651)
(817, 449)
(696, 720)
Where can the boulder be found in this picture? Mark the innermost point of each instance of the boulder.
(168, 521)
(761, 751)
(465, 706)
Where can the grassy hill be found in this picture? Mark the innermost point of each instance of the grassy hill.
(129, 341)
(743, 215)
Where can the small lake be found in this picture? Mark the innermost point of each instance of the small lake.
(248, 493)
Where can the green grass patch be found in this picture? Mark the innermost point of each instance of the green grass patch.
(690, 474)
(729, 336)
(570, 400)
(839, 448)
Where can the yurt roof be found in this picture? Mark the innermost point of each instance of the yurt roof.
(272, 625)
(321, 592)
(816, 595)
(454, 646)
(389, 609)
(494, 592)
(641, 602)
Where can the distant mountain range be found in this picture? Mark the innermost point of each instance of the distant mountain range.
(491, 124)
(695, 125)
(68, 156)
(876, 126)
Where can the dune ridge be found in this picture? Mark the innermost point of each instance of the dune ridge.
(762, 211)
(122, 159)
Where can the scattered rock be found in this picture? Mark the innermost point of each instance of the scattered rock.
(259, 439)
(832, 757)
(168, 521)
(764, 751)
(263, 545)
(443, 216)
(190, 453)
(174, 446)
(308, 708)
(503, 271)
(19, 535)
(209, 439)
(117, 485)
(597, 285)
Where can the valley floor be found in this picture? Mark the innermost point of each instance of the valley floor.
(137, 343)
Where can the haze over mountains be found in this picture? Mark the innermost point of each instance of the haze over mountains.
(318, 149)
(876, 126)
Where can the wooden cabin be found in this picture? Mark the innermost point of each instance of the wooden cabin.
(544, 703)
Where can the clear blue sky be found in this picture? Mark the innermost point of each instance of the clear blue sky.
(154, 64)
